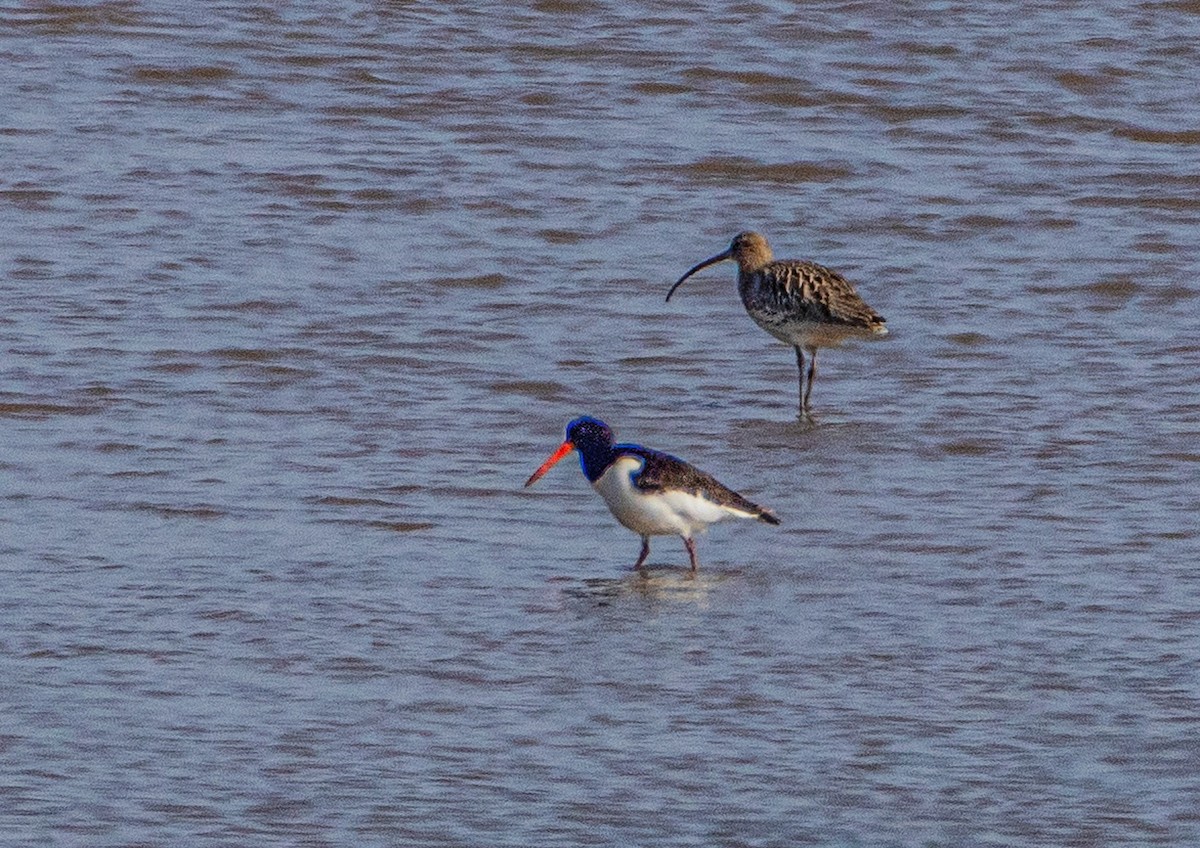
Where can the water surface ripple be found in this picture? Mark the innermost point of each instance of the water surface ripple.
(295, 296)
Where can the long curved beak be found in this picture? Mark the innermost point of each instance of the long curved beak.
(564, 449)
(712, 260)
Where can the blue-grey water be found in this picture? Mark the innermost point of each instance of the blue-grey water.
(293, 298)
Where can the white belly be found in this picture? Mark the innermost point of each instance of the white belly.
(670, 513)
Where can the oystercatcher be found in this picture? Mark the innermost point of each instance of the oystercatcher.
(650, 492)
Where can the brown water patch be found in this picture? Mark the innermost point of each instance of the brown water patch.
(1172, 293)
(971, 447)
(1155, 245)
(1081, 83)
(24, 131)
(263, 307)
(900, 114)
(655, 87)
(1180, 203)
(707, 73)
(646, 361)
(741, 169)
(1157, 136)
(968, 339)
(981, 222)
(169, 511)
(918, 48)
(27, 197)
(1177, 203)
(401, 489)
(1119, 286)
(785, 99)
(565, 7)
(1052, 223)
(1180, 457)
(479, 281)
(116, 447)
(390, 526)
(301, 186)
(231, 615)
(540, 389)
(184, 76)
(239, 354)
(333, 500)
(175, 368)
(353, 667)
(1067, 123)
(34, 409)
(376, 197)
(65, 18)
(555, 236)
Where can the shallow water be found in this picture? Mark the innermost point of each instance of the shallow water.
(295, 298)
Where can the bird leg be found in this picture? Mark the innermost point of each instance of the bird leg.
(645, 552)
(691, 549)
(812, 375)
(800, 367)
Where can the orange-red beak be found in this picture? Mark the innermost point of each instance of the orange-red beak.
(564, 449)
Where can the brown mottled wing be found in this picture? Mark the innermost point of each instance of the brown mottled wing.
(663, 471)
(812, 292)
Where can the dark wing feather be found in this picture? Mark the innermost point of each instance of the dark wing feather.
(819, 294)
(663, 471)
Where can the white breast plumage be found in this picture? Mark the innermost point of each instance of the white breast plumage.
(655, 512)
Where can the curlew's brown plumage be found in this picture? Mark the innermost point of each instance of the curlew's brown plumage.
(803, 304)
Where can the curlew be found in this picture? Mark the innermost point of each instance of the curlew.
(803, 304)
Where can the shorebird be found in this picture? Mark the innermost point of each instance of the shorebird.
(650, 492)
(802, 304)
